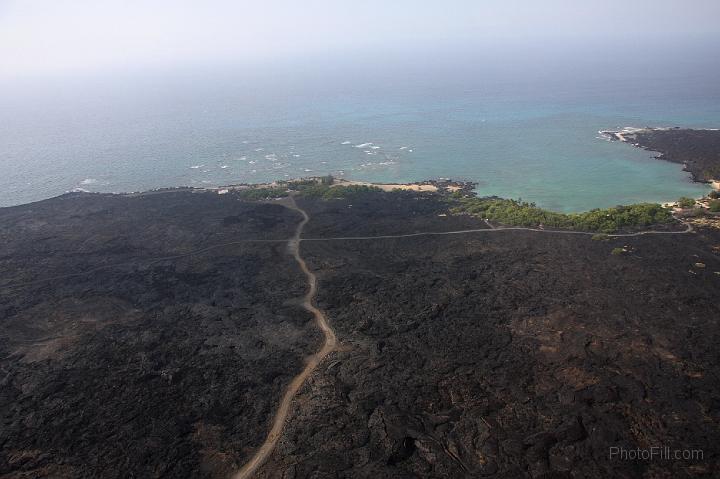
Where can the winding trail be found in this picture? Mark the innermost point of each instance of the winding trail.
(313, 361)
(297, 239)
(498, 229)
(331, 342)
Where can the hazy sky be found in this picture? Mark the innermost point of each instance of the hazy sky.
(68, 36)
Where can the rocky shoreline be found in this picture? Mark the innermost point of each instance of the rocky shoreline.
(698, 150)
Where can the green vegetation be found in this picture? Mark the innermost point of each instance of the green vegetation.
(618, 251)
(686, 202)
(715, 206)
(504, 211)
(305, 183)
(296, 185)
(519, 213)
(326, 192)
(255, 194)
(714, 194)
(311, 188)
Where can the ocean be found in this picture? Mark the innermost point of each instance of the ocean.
(527, 131)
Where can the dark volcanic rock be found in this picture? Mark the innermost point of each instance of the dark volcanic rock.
(512, 354)
(697, 150)
(148, 368)
(140, 337)
(399, 213)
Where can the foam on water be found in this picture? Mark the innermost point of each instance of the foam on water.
(515, 139)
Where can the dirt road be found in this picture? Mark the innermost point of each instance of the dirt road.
(313, 361)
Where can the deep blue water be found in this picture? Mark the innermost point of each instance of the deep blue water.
(521, 131)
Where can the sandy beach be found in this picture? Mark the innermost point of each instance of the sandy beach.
(387, 186)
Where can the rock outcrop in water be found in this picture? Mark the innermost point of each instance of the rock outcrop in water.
(697, 150)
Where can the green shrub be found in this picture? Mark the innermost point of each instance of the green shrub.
(326, 192)
(518, 213)
(714, 194)
(350, 191)
(686, 202)
(255, 194)
(618, 251)
(715, 206)
(296, 185)
(600, 237)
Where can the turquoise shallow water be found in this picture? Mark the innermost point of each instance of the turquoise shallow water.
(535, 140)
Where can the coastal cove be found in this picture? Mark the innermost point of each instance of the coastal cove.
(340, 240)
(538, 142)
